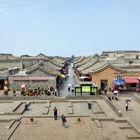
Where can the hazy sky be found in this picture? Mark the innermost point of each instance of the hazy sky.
(66, 27)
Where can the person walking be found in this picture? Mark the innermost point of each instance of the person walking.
(69, 86)
(126, 105)
(72, 88)
(89, 105)
(64, 121)
(55, 113)
(55, 92)
(42, 90)
(14, 92)
(116, 94)
(6, 91)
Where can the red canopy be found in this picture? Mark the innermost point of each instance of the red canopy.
(131, 80)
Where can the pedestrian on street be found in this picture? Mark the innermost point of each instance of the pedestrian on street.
(69, 86)
(115, 92)
(55, 113)
(89, 105)
(55, 92)
(6, 91)
(14, 92)
(126, 105)
(72, 88)
(64, 120)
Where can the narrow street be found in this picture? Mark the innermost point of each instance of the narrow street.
(70, 80)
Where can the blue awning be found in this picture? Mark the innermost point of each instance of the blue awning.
(119, 82)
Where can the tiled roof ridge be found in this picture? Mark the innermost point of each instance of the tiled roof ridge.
(93, 63)
(107, 64)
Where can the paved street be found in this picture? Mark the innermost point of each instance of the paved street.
(94, 124)
(70, 80)
(133, 112)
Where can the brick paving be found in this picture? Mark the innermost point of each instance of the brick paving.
(45, 127)
(133, 112)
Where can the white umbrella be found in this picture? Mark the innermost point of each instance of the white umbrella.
(83, 77)
(23, 86)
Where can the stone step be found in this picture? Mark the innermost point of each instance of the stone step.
(133, 137)
(96, 108)
(70, 104)
(46, 112)
(97, 133)
(120, 120)
(48, 105)
(108, 110)
(10, 124)
(12, 130)
(99, 124)
(70, 110)
(14, 106)
(125, 127)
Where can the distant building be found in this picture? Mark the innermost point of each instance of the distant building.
(6, 56)
(128, 54)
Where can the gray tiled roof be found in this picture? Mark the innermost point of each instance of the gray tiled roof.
(119, 63)
(56, 62)
(47, 70)
(51, 66)
(86, 60)
(41, 55)
(79, 60)
(94, 67)
(88, 64)
(60, 60)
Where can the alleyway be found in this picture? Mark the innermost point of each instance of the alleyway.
(70, 80)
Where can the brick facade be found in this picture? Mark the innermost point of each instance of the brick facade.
(108, 74)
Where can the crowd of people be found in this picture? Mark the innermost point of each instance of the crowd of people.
(28, 91)
(50, 91)
(39, 91)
